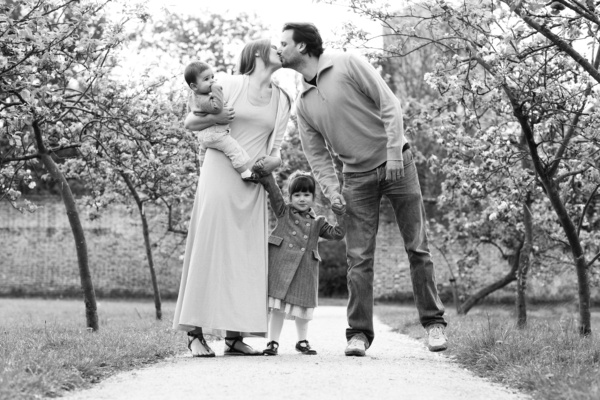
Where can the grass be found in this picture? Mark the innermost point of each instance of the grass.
(46, 351)
(547, 360)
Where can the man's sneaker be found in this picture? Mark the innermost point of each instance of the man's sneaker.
(437, 340)
(357, 345)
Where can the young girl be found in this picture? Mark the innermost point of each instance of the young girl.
(294, 259)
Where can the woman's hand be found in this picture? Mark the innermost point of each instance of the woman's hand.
(267, 164)
(199, 122)
(226, 116)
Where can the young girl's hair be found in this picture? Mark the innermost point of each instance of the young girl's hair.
(301, 181)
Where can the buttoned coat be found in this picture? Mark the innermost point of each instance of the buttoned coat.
(293, 251)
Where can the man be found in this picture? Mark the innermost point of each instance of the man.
(345, 105)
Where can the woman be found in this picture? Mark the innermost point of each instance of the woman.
(223, 288)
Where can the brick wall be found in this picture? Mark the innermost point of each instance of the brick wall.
(39, 258)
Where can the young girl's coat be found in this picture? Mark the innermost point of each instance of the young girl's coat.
(293, 255)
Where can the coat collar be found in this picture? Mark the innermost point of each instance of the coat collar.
(309, 213)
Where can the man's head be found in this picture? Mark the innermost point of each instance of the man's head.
(299, 40)
(199, 76)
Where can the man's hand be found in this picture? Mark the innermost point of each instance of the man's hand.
(338, 204)
(394, 170)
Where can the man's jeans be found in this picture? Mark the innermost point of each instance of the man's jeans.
(362, 192)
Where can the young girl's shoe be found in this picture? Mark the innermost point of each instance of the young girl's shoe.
(200, 348)
(271, 349)
(304, 348)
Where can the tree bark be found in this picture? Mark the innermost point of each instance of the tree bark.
(89, 295)
(524, 263)
(508, 278)
(148, 244)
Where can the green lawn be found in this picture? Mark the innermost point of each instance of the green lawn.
(46, 350)
(548, 359)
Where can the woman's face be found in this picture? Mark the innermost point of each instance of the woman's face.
(274, 59)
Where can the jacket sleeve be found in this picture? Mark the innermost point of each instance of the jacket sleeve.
(211, 103)
(373, 86)
(318, 156)
(336, 232)
(275, 195)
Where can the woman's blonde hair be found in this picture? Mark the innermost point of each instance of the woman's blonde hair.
(247, 63)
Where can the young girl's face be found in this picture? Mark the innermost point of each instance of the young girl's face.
(302, 201)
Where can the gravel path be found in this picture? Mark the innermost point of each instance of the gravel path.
(395, 367)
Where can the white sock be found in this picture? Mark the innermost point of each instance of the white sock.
(275, 325)
(302, 328)
(246, 174)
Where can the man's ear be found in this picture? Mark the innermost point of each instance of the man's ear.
(302, 48)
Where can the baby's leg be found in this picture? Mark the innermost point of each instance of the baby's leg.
(223, 142)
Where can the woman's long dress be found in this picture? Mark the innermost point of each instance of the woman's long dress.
(224, 277)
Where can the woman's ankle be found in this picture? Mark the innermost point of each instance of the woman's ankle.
(195, 332)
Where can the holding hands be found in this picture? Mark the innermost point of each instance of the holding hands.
(266, 164)
(338, 204)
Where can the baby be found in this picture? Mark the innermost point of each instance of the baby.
(207, 98)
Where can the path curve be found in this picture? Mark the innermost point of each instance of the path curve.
(396, 367)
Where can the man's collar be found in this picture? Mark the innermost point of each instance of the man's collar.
(325, 62)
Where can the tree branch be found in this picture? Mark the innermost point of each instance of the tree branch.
(587, 204)
(561, 44)
(597, 256)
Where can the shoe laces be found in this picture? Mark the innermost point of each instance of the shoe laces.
(436, 332)
(356, 341)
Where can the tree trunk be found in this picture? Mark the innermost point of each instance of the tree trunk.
(89, 295)
(455, 295)
(569, 228)
(146, 233)
(524, 263)
(508, 278)
(552, 193)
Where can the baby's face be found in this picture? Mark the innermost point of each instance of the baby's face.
(205, 80)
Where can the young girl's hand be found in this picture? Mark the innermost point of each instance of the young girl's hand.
(259, 165)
